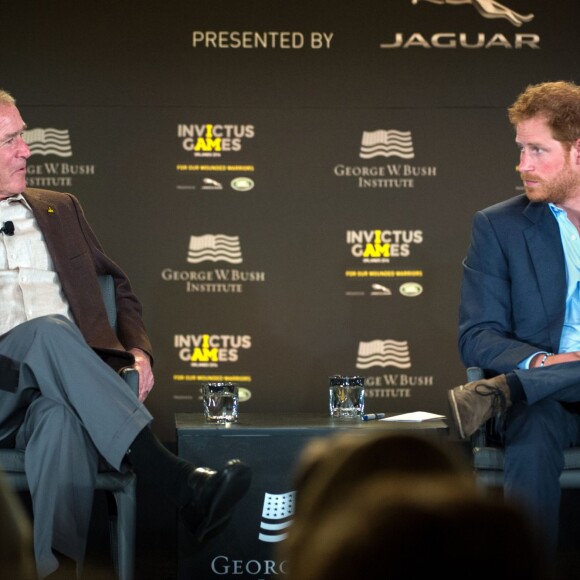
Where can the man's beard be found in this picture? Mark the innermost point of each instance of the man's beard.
(556, 190)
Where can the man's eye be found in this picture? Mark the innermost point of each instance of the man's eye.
(12, 140)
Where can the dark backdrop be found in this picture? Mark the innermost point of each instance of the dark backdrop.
(299, 300)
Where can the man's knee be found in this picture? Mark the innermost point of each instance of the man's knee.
(50, 420)
(49, 323)
(52, 328)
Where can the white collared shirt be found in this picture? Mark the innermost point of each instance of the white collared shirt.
(29, 285)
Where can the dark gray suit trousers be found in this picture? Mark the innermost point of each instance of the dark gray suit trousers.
(65, 407)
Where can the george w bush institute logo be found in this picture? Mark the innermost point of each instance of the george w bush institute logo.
(391, 143)
(214, 248)
(383, 353)
(276, 516)
(48, 142)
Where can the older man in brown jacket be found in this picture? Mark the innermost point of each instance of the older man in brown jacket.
(61, 398)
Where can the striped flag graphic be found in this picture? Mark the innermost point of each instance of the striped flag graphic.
(383, 353)
(390, 143)
(213, 248)
(48, 142)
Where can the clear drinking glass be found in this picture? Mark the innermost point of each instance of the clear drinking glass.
(220, 402)
(347, 396)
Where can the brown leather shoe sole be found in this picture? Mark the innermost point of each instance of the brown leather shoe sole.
(455, 413)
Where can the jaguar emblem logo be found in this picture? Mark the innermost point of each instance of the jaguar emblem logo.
(488, 9)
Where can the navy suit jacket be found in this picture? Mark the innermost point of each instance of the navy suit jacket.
(78, 259)
(513, 291)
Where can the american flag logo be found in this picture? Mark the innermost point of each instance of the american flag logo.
(276, 516)
(214, 248)
(48, 142)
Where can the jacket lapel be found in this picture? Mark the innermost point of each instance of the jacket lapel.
(48, 220)
(547, 256)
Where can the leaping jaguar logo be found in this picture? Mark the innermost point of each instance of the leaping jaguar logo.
(488, 9)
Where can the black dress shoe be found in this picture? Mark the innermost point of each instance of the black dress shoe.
(214, 496)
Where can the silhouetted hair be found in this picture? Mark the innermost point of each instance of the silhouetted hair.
(397, 506)
(558, 102)
(411, 526)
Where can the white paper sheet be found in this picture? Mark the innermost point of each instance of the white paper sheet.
(417, 417)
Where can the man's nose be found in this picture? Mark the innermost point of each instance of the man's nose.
(525, 164)
(23, 149)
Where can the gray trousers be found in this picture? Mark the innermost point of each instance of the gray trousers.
(62, 404)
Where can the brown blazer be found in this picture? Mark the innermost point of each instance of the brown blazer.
(78, 259)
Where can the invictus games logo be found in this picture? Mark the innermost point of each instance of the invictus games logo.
(210, 350)
(489, 9)
(373, 249)
(381, 246)
(217, 158)
(49, 143)
(394, 175)
(212, 140)
(218, 280)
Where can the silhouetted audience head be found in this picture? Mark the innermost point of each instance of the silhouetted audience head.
(16, 554)
(401, 506)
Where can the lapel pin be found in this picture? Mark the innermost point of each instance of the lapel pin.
(50, 209)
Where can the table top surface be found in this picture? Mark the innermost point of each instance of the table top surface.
(290, 421)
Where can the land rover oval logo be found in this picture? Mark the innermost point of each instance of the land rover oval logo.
(244, 394)
(242, 183)
(411, 289)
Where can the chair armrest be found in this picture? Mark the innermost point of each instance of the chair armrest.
(131, 377)
(107, 285)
